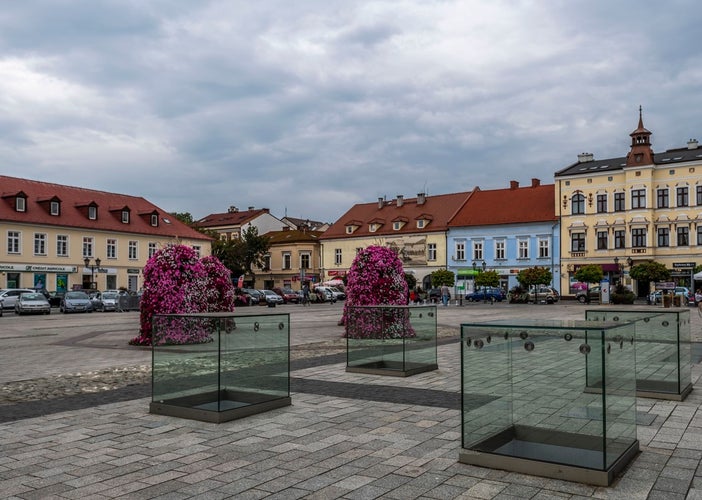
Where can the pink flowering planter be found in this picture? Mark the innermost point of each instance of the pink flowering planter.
(217, 367)
(391, 340)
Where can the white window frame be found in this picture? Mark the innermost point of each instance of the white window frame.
(133, 250)
(544, 244)
(40, 240)
(431, 251)
(20, 204)
(338, 257)
(478, 250)
(287, 260)
(14, 242)
(460, 250)
(54, 208)
(88, 246)
(125, 217)
(154, 220)
(92, 212)
(111, 248)
(62, 245)
(198, 250)
(522, 248)
(308, 255)
(153, 248)
(420, 223)
(500, 249)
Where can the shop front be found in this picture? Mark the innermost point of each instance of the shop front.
(37, 276)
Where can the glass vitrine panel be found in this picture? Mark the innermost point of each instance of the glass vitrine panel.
(391, 340)
(218, 366)
(524, 403)
(663, 358)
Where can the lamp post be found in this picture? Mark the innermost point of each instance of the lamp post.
(620, 268)
(92, 267)
(484, 265)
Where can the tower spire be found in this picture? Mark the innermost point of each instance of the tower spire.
(640, 152)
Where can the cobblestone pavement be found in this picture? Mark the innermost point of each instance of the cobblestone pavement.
(346, 435)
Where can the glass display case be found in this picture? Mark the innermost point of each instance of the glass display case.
(524, 407)
(663, 358)
(217, 367)
(391, 340)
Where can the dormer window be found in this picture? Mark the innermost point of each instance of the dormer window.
(125, 217)
(55, 208)
(352, 225)
(421, 223)
(373, 227)
(154, 220)
(349, 229)
(92, 212)
(397, 225)
(21, 204)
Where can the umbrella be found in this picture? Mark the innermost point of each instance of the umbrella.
(698, 276)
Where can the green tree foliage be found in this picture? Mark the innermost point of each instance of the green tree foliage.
(242, 255)
(487, 278)
(590, 273)
(411, 281)
(649, 271)
(534, 276)
(185, 217)
(442, 277)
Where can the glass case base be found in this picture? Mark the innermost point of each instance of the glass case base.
(548, 453)
(217, 407)
(655, 389)
(392, 368)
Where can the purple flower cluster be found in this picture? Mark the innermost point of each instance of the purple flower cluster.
(176, 281)
(376, 278)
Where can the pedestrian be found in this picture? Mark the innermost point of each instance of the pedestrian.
(306, 294)
(445, 294)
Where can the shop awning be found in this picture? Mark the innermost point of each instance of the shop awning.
(466, 273)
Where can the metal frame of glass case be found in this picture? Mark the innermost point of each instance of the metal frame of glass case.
(217, 367)
(391, 340)
(539, 419)
(663, 356)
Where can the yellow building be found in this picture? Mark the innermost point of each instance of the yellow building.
(415, 227)
(61, 237)
(619, 212)
(293, 258)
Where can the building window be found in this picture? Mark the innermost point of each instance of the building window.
(132, 250)
(337, 256)
(304, 261)
(523, 248)
(602, 240)
(92, 212)
(682, 196)
(154, 220)
(197, 249)
(619, 238)
(39, 244)
(577, 242)
(638, 237)
(62, 245)
(544, 248)
(152, 249)
(87, 246)
(397, 225)
(460, 251)
(13, 241)
(20, 204)
(699, 196)
(477, 250)
(111, 248)
(431, 251)
(619, 205)
(601, 203)
(662, 198)
(125, 216)
(54, 208)
(349, 229)
(499, 250)
(267, 262)
(638, 198)
(420, 224)
(663, 237)
(578, 204)
(287, 260)
(699, 234)
(683, 236)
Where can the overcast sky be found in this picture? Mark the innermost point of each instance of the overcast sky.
(309, 107)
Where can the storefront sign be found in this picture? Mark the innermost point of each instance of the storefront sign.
(665, 285)
(31, 268)
(683, 265)
(133, 271)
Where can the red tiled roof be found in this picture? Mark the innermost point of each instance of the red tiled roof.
(230, 218)
(508, 206)
(39, 193)
(437, 208)
(293, 236)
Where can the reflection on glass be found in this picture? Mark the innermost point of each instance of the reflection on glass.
(391, 340)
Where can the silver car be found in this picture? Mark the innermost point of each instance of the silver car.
(9, 296)
(32, 303)
(76, 302)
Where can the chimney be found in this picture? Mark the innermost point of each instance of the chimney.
(692, 144)
(251, 208)
(400, 200)
(381, 202)
(233, 209)
(585, 157)
(535, 182)
(513, 184)
(421, 198)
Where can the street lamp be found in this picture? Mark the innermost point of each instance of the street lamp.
(484, 265)
(92, 267)
(620, 267)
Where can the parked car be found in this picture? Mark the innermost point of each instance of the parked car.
(256, 296)
(109, 301)
(434, 295)
(271, 298)
(338, 294)
(329, 293)
(10, 295)
(55, 298)
(289, 295)
(547, 293)
(487, 293)
(32, 303)
(75, 301)
(593, 292)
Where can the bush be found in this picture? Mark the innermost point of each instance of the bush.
(622, 295)
(517, 295)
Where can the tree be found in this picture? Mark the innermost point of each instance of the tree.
(241, 255)
(646, 272)
(185, 217)
(442, 277)
(411, 281)
(590, 273)
(487, 278)
(534, 276)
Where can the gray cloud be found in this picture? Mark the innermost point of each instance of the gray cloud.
(310, 107)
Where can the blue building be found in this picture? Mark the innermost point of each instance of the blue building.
(504, 230)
